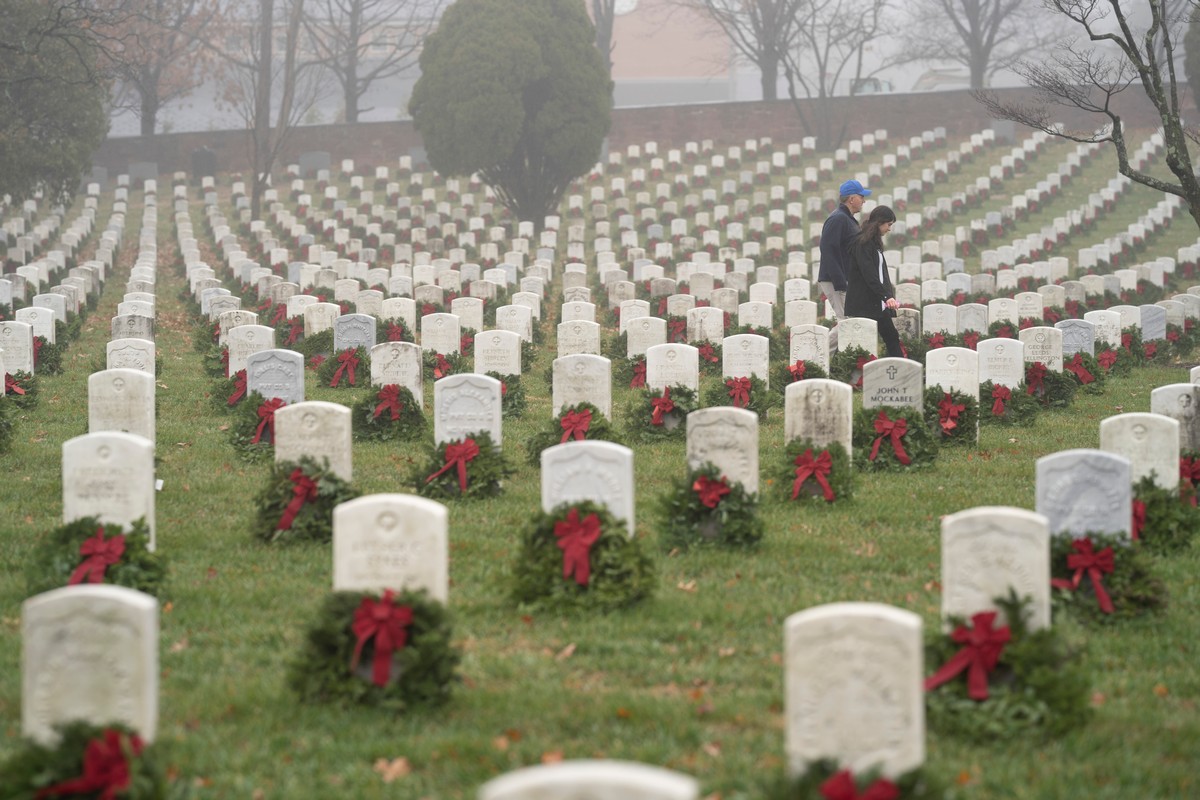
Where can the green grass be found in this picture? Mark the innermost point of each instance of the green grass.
(691, 679)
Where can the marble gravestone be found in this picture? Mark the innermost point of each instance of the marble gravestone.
(16, 345)
(1001, 361)
(893, 383)
(399, 363)
(246, 340)
(746, 355)
(1085, 491)
(109, 475)
(727, 438)
(391, 541)
(351, 331)
(318, 430)
(643, 333)
(600, 779)
(276, 373)
(441, 333)
(1180, 401)
(601, 472)
(953, 369)
(582, 378)
(1150, 442)
(858, 332)
(821, 411)
(1078, 336)
(578, 337)
(138, 354)
(121, 400)
(809, 343)
(497, 351)
(1043, 344)
(672, 365)
(465, 405)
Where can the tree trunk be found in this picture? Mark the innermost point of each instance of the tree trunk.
(979, 64)
(350, 78)
(149, 119)
(768, 63)
(262, 103)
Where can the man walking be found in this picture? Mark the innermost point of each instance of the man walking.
(839, 229)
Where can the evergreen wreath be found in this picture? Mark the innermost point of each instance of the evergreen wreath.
(616, 348)
(1128, 587)
(437, 365)
(824, 779)
(705, 508)
(1162, 521)
(876, 431)
(809, 463)
(1002, 329)
(86, 762)
(653, 415)
(573, 422)
(90, 551)
(1087, 373)
(1033, 682)
(787, 374)
(953, 417)
(847, 365)
(8, 413)
(297, 503)
(318, 344)
(388, 414)
(252, 427)
(512, 395)
(229, 392)
(1050, 388)
(708, 355)
(618, 572)
(1113, 360)
(48, 357)
(421, 674)
(750, 393)
(347, 369)
(1015, 406)
(20, 389)
(629, 372)
(470, 467)
(1182, 339)
(1132, 348)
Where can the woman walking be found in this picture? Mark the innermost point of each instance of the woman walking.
(870, 292)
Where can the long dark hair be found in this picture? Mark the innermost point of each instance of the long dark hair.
(870, 235)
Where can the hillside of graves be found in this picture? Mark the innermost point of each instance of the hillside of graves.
(163, 351)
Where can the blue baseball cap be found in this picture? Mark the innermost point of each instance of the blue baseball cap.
(853, 187)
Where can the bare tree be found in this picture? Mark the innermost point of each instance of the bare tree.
(985, 36)
(1116, 55)
(762, 31)
(832, 37)
(364, 41)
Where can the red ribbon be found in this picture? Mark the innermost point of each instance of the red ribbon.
(225, 360)
(304, 491)
(389, 400)
(841, 786)
(386, 623)
(1000, 396)
(893, 429)
(37, 349)
(1076, 366)
(937, 341)
(458, 455)
(797, 371)
(860, 365)
(819, 467)
(707, 352)
(347, 361)
(395, 333)
(575, 423)
(239, 388)
(11, 385)
(1127, 342)
(971, 339)
(1095, 564)
(280, 314)
(442, 368)
(739, 390)
(1150, 349)
(948, 412)
(1189, 476)
(266, 419)
(294, 332)
(710, 491)
(662, 405)
(98, 554)
(1033, 376)
(678, 330)
(1004, 332)
(982, 646)
(575, 539)
(639, 375)
(105, 768)
(1139, 519)
(1107, 359)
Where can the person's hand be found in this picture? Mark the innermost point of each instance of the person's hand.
(893, 303)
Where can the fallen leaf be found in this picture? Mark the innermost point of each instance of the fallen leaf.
(1098, 699)
(712, 748)
(390, 770)
(552, 756)
(566, 652)
(624, 713)
(500, 743)
(704, 709)
(933, 586)
(1161, 690)
(180, 646)
(963, 778)
(726, 652)
(211, 573)
(222, 427)
(689, 586)
(674, 552)
(513, 735)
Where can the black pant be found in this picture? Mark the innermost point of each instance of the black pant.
(889, 334)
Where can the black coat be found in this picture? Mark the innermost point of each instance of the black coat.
(866, 294)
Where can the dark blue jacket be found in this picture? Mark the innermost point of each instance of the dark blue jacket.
(839, 229)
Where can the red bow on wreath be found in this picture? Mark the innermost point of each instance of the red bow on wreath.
(389, 400)
(1000, 396)
(971, 339)
(1139, 519)
(1076, 366)
(280, 314)
(105, 768)
(1033, 377)
(662, 405)
(739, 390)
(386, 623)
(347, 362)
(442, 368)
(225, 360)
(266, 419)
(948, 412)
(575, 423)
(936, 341)
(1095, 564)
(797, 371)
(1107, 359)
(887, 428)
(11, 385)
(1149, 350)
(239, 388)
(841, 786)
(295, 330)
(575, 539)
(639, 375)
(98, 554)
(710, 491)
(1127, 342)
(395, 333)
(707, 352)
(304, 490)
(1189, 474)
(819, 467)
(859, 366)
(458, 455)
(678, 330)
(982, 646)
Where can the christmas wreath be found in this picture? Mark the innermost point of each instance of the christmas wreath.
(388, 414)
(90, 551)
(1103, 577)
(252, 427)
(1005, 406)
(815, 474)
(1051, 389)
(708, 355)
(47, 358)
(654, 415)
(512, 396)
(707, 508)
(825, 780)
(349, 368)
(577, 423)
(1086, 371)
(893, 439)
(20, 389)
(437, 365)
(750, 393)
(318, 344)
(787, 374)
(393, 651)
(1114, 361)
(1004, 681)
(1163, 521)
(229, 392)
(297, 503)
(101, 761)
(1132, 349)
(579, 556)
(468, 467)
(952, 416)
(847, 365)
(626, 371)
